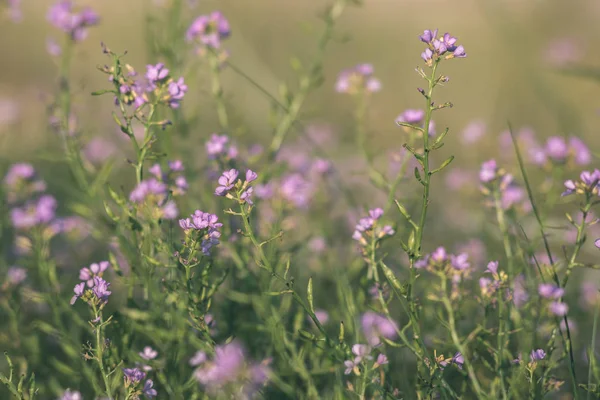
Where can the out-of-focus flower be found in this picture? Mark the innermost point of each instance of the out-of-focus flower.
(537, 355)
(563, 51)
(148, 353)
(40, 212)
(558, 308)
(98, 150)
(589, 183)
(358, 79)
(376, 326)
(369, 228)
(149, 390)
(15, 275)
(209, 30)
(473, 132)
(133, 376)
(79, 290)
(198, 358)
(550, 291)
(63, 16)
(71, 395)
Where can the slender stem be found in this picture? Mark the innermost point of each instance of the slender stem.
(592, 353)
(217, 90)
(456, 340)
(99, 350)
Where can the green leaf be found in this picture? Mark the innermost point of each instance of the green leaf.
(309, 294)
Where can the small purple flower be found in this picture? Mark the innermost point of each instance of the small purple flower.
(100, 289)
(558, 308)
(460, 262)
(581, 153)
(489, 171)
(198, 358)
(349, 364)
(71, 395)
(226, 182)
(492, 267)
(556, 148)
(358, 79)
(95, 269)
(550, 291)
(428, 36)
(63, 17)
(382, 359)
(362, 352)
(148, 389)
(597, 243)
(16, 275)
(322, 316)
(133, 376)
(148, 353)
(537, 355)
(376, 326)
(78, 289)
(217, 146)
(411, 116)
(209, 30)
(251, 176)
(155, 73)
(177, 90)
(247, 195)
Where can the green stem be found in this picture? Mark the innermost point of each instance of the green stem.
(592, 353)
(456, 340)
(99, 351)
(217, 89)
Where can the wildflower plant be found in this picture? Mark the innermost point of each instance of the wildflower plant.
(195, 261)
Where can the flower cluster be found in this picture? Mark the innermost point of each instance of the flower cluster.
(155, 87)
(493, 178)
(219, 147)
(233, 188)
(559, 150)
(437, 47)
(554, 293)
(376, 326)
(132, 378)
(229, 368)
(358, 79)
(415, 117)
(209, 30)
(21, 182)
(368, 228)
(96, 296)
(64, 17)
(204, 227)
(362, 353)
(490, 285)
(457, 359)
(588, 184)
(173, 178)
(440, 259)
(88, 274)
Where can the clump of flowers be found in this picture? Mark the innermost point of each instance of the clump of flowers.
(457, 359)
(233, 188)
(559, 150)
(88, 274)
(376, 326)
(437, 47)
(369, 229)
(203, 228)
(358, 79)
(219, 147)
(21, 182)
(494, 280)
(554, 293)
(132, 378)
(74, 23)
(230, 371)
(588, 184)
(500, 188)
(173, 178)
(96, 297)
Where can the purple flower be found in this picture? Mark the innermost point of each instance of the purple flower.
(95, 269)
(558, 308)
(358, 79)
(597, 243)
(133, 376)
(148, 353)
(556, 148)
(198, 358)
(148, 187)
(148, 389)
(251, 176)
(78, 289)
(217, 146)
(296, 189)
(32, 214)
(589, 183)
(100, 289)
(209, 30)
(382, 359)
(488, 171)
(411, 116)
(376, 326)
(460, 262)
(473, 132)
(439, 255)
(581, 153)
(247, 195)
(550, 291)
(19, 172)
(362, 352)
(63, 17)
(177, 90)
(226, 366)
(321, 315)
(537, 355)
(16, 275)
(71, 395)
(428, 36)
(492, 267)
(155, 73)
(226, 182)
(349, 364)
(520, 295)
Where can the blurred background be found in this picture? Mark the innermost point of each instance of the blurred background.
(514, 49)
